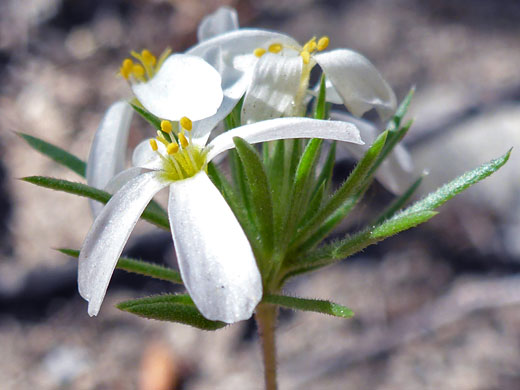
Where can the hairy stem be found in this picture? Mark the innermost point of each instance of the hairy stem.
(266, 320)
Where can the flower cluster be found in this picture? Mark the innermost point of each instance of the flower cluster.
(265, 76)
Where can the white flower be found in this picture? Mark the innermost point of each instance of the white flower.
(163, 86)
(107, 153)
(275, 84)
(214, 256)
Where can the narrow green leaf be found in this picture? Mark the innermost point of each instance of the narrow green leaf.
(301, 190)
(314, 305)
(319, 110)
(150, 118)
(326, 173)
(414, 215)
(449, 190)
(156, 208)
(59, 155)
(84, 190)
(399, 202)
(233, 119)
(146, 115)
(352, 186)
(173, 308)
(336, 251)
(261, 202)
(276, 174)
(401, 223)
(314, 204)
(275, 167)
(330, 223)
(239, 179)
(401, 111)
(140, 267)
(306, 163)
(294, 155)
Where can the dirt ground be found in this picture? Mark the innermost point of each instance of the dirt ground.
(436, 307)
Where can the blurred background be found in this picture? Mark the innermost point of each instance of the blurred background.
(437, 307)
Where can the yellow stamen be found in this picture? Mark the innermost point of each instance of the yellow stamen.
(153, 144)
(126, 68)
(166, 126)
(172, 148)
(306, 56)
(310, 46)
(275, 48)
(148, 58)
(186, 123)
(183, 140)
(148, 63)
(138, 72)
(259, 52)
(323, 43)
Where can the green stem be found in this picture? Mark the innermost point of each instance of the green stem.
(266, 320)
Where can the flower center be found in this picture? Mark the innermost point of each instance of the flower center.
(145, 66)
(305, 52)
(182, 159)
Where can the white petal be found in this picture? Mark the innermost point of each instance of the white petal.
(273, 89)
(331, 94)
(285, 128)
(107, 153)
(222, 20)
(234, 84)
(145, 157)
(396, 172)
(358, 82)
(184, 86)
(215, 258)
(202, 129)
(242, 41)
(121, 179)
(108, 235)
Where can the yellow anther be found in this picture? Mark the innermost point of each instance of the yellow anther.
(172, 148)
(126, 68)
(153, 144)
(148, 58)
(306, 56)
(275, 48)
(166, 126)
(138, 71)
(186, 123)
(310, 46)
(259, 52)
(183, 140)
(323, 43)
